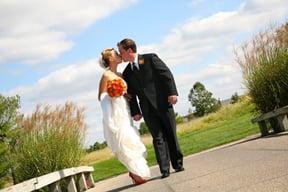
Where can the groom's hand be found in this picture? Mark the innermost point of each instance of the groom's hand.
(137, 117)
(172, 99)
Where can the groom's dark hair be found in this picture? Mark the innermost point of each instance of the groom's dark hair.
(128, 44)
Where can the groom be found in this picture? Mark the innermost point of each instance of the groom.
(152, 82)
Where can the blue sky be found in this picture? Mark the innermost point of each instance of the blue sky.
(49, 49)
(145, 21)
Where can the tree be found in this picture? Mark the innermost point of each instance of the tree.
(234, 98)
(143, 128)
(8, 114)
(202, 100)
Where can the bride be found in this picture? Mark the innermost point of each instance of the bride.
(121, 137)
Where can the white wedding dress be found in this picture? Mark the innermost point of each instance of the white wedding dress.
(121, 137)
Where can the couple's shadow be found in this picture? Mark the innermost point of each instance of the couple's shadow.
(132, 185)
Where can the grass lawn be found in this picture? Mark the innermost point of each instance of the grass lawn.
(229, 124)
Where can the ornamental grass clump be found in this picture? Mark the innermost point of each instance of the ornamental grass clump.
(264, 64)
(51, 139)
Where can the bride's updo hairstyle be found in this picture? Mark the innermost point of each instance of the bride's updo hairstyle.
(104, 59)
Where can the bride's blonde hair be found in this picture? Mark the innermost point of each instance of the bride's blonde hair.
(105, 55)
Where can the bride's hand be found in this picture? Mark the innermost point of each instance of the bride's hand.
(137, 117)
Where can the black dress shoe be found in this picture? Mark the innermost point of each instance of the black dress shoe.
(179, 169)
(165, 174)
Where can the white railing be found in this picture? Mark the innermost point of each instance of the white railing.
(74, 179)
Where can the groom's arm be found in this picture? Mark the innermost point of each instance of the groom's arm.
(132, 100)
(165, 75)
(134, 107)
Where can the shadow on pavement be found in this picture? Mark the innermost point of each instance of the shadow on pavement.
(130, 186)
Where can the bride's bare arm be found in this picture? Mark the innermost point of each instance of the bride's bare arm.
(102, 85)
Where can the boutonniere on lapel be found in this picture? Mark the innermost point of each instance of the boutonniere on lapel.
(141, 61)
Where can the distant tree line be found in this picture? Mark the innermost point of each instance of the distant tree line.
(97, 146)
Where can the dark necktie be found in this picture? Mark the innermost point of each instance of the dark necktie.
(136, 73)
(134, 67)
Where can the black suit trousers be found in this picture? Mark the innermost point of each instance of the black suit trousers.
(162, 126)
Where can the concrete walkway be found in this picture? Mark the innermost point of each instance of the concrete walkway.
(253, 164)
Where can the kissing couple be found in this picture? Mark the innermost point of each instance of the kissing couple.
(148, 80)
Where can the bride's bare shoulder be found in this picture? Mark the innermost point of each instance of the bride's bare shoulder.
(104, 79)
(107, 75)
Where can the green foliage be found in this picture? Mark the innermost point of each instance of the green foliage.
(51, 139)
(264, 64)
(8, 114)
(202, 100)
(190, 116)
(179, 118)
(143, 128)
(234, 98)
(4, 166)
(97, 146)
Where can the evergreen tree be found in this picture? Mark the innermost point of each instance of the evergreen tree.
(234, 98)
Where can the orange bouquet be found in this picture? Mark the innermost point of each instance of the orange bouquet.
(116, 87)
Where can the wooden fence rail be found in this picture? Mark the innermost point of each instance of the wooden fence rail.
(73, 180)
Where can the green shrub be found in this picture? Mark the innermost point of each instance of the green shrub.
(264, 63)
(97, 146)
(190, 116)
(51, 140)
(143, 128)
(179, 118)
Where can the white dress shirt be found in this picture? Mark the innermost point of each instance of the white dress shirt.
(136, 62)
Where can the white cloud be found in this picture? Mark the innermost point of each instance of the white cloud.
(33, 48)
(34, 31)
(197, 40)
(193, 41)
(69, 81)
(77, 83)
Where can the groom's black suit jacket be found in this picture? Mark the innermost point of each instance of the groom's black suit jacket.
(152, 84)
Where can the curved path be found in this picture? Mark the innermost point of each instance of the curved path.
(253, 164)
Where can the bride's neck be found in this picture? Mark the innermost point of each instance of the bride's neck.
(113, 69)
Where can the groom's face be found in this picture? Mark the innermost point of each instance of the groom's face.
(125, 54)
